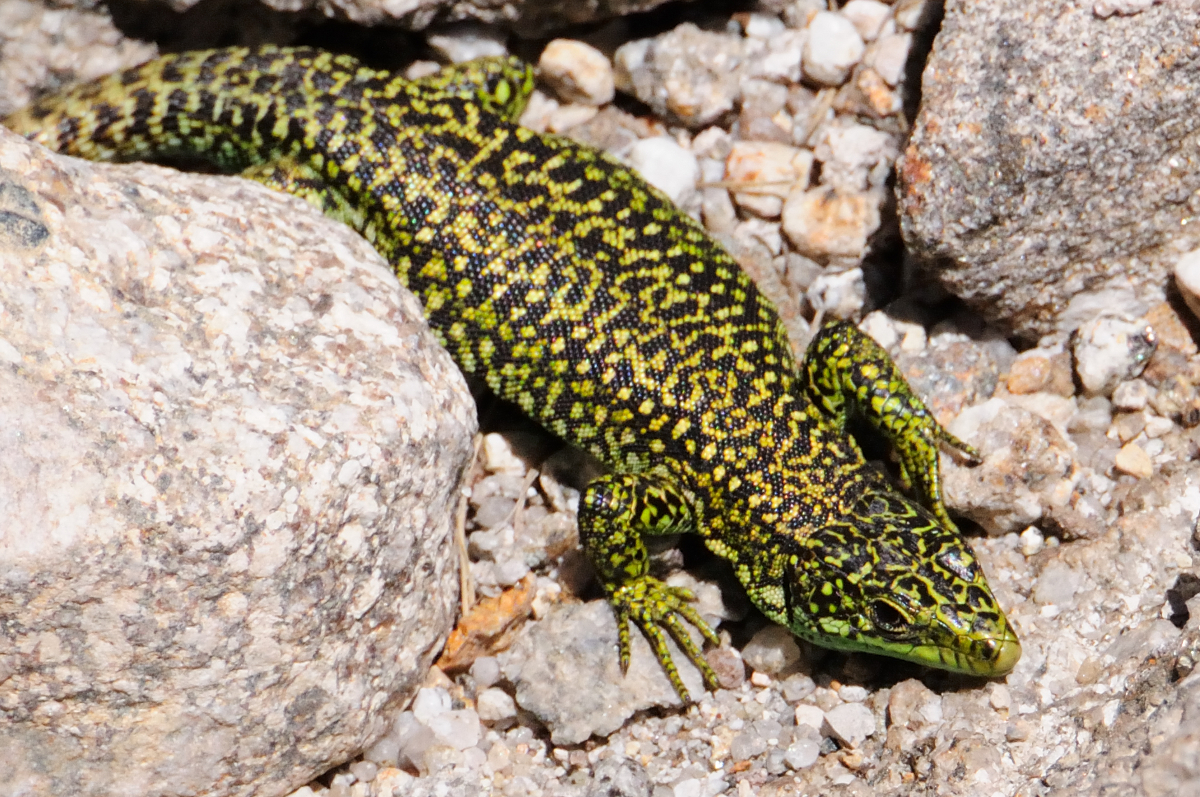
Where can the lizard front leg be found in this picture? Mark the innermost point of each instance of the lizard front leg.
(847, 373)
(614, 513)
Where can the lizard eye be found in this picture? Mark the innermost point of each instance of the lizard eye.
(888, 618)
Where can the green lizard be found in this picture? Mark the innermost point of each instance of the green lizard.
(579, 292)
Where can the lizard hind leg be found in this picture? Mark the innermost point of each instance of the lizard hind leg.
(297, 178)
(614, 513)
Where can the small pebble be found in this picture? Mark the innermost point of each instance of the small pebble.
(667, 166)
(851, 723)
(577, 72)
(1131, 396)
(459, 729)
(1029, 374)
(486, 671)
(1157, 426)
(832, 50)
(728, 665)
(747, 745)
(809, 715)
(467, 41)
(840, 295)
(1129, 426)
(1187, 278)
(495, 706)
(767, 172)
(772, 650)
(823, 224)
(797, 687)
(867, 16)
(429, 703)
(802, 753)
(853, 694)
(1032, 541)
(1001, 698)
(498, 456)
(1109, 350)
(889, 57)
(1132, 459)
(364, 771)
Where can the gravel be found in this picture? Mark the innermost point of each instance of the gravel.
(1083, 511)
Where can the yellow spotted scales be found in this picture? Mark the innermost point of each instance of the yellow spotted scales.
(579, 292)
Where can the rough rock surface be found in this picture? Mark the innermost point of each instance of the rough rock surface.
(1052, 167)
(528, 16)
(230, 455)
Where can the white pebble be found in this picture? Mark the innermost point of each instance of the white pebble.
(1110, 349)
(572, 114)
(473, 758)
(833, 48)
(764, 26)
(468, 41)
(760, 679)
(766, 172)
(495, 705)
(889, 57)
(783, 59)
(802, 753)
(1157, 426)
(458, 729)
(486, 671)
(364, 771)
(851, 723)
(577, 72)
(430, 702)
(772, 650)
(1032, 540)
(1187, 278)
(667, 166)
(838, 295)
(511, 570)
(1131, 396)
(855, 157)
(823, 224)
(810, 715)
(498, 456)
(867, 16)
(852, 694)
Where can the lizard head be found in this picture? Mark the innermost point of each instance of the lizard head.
(897, 582)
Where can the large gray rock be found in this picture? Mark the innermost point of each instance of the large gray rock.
(229, 450)
(1052, 168)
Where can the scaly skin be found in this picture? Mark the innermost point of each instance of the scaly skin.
(579, 292)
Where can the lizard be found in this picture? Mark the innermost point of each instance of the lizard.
(579, 292)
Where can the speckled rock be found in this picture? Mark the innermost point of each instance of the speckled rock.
(528, 17)
(231, 456)
(687, 74)
(1052, 161)
(1027, 466)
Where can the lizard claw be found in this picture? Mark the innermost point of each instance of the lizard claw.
(653, 606)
